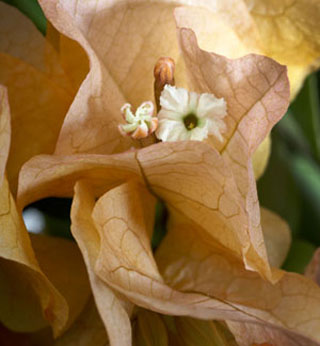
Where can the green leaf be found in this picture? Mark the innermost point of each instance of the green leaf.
(277, 189)
(160, 225)
(31, 9)
(307, 176)
(306, 110)
(58, 227)
(292, 133)
(299, 256)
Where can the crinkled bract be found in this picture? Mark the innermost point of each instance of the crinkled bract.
(38, 274)
(34, 291)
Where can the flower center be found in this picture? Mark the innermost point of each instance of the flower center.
(190, 121)
(186, 115)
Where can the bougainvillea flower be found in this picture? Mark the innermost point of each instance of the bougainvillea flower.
(34, 292)
(214, 234)
(92, 124)
(127, 67)
(213, 262)
(252, 111)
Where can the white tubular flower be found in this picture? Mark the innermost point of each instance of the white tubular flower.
(187, 115)
(142, 123)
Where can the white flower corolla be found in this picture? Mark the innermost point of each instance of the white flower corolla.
(187, 115)
(142, 123)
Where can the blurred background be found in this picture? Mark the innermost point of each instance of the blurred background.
(290, 185)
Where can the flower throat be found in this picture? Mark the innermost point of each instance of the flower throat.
(190, 121)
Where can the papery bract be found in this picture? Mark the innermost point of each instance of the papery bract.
(290, 34)
(235, 86)
(38, 90)
(38, 274)
(29, 301)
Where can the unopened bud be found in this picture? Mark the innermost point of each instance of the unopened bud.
(163, 74)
